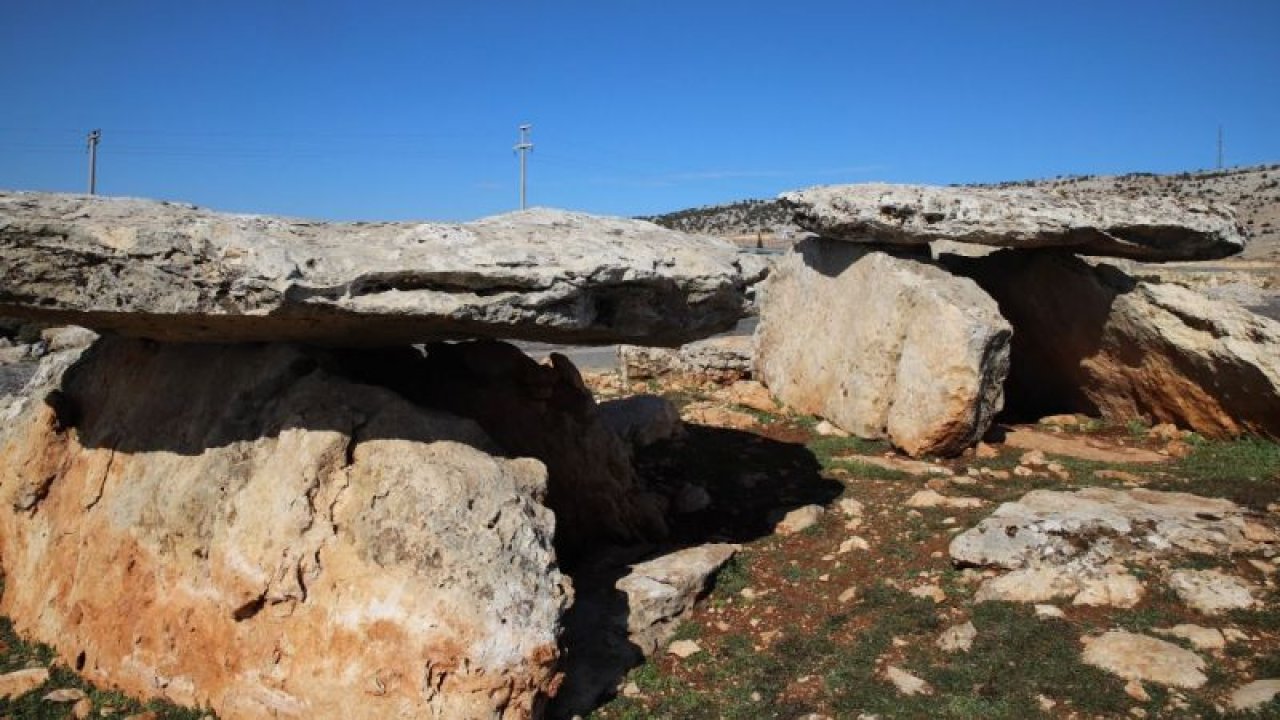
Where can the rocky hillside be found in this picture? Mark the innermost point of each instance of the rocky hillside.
(745, 217)
(1254, 191)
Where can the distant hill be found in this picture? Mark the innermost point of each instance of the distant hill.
(1253, 191)
(745, 217)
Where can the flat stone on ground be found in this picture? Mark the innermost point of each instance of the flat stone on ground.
(20, 682)
(798, 520)
(1079, 447)
(1146, 659)
(1049, 526)
(1202, 638)
(1212, 592)
(1255, 694)
(906, 683)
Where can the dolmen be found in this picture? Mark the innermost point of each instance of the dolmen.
(300, 473)
(918, 314)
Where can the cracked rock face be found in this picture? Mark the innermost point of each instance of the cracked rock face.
(175, 272)
(882, 346)
(1057, 528)
(1151, 229)
(237, 527)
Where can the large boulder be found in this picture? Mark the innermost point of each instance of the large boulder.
(532, 410)
(1146, 228)
(1094, 340)
(175, 272)
(883, 346)
(239, 527)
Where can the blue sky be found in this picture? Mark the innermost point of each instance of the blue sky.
(398, 110)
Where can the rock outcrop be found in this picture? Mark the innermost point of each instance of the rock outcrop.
(1078, 545)
(718, 360)
(175, 272)
(243, 528)
(1092, 339)
(1142, 228)
(628, 614)
(1048, 526)
(1143, 658)
(882, 346)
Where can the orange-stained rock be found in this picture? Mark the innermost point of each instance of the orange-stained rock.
(240, 528)
(1095, 340)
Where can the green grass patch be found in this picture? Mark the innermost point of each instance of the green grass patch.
(732, 578)
(827, 448)
(1246, 471)
(868, 471)
(1017, 657)
(678, 398)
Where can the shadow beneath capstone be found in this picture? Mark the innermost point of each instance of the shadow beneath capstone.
(748, 478)
(1059, 307)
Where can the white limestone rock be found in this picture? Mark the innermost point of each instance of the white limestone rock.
(1148, 228)
(175, 272)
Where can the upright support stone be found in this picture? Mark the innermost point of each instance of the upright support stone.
(883, 346)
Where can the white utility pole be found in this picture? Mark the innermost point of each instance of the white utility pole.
(1219, 147)
(523, 147)
(94, 137)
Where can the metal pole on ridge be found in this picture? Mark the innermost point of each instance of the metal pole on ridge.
(94, 137)
(523, 147)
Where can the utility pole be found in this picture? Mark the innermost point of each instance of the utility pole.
(1219, 147)
(94, 137)
(523, 147)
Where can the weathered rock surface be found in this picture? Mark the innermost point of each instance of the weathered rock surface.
(1094, 340)
(790, 522)
(882, 346)
(1201, 638)
(1254, 695)
(1212, 592)
(934, 499)
(906, 683)
(662, 591)
(957, 638)
(722, 360)
(1048, 526)
(240, 528)
(20, 682)
(620, 617)
(642, 420)
(175, 272)
(532, 410)
(1146, 228)
(1145, 659)
(1079, 447)
(1084, 584)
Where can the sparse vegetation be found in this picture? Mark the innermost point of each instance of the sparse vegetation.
(17, 654)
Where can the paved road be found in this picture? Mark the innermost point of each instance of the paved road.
(605, 357)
